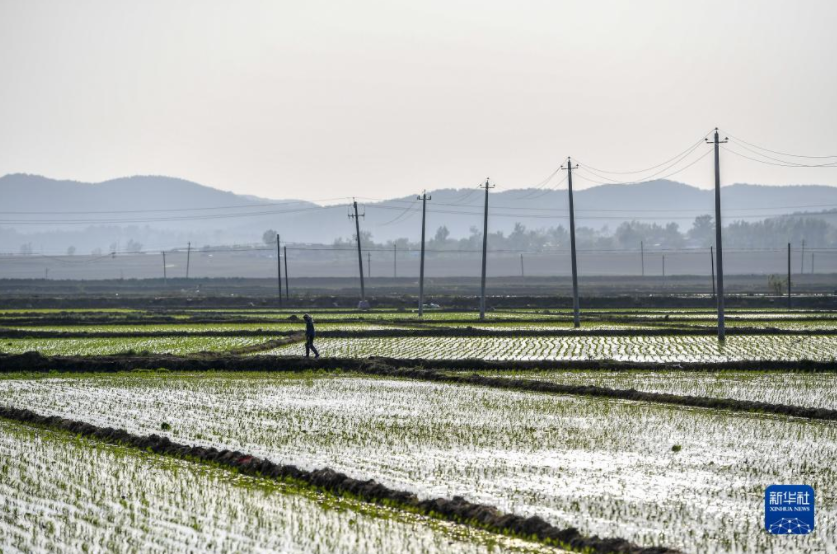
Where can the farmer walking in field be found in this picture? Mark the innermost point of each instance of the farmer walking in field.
(310, 333)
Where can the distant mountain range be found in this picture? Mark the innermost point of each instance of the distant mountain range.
(162, 212)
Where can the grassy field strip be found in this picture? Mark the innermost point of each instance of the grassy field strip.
(605, 466)
(66, 494)
(105, 346)
(535, 326)
(625, 348)
(204, 327)
(794, 389)
(827, 325)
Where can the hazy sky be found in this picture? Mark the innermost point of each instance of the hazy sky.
(318, 100)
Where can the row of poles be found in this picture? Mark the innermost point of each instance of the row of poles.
(486, 186)
(719, 293)
(716, 253)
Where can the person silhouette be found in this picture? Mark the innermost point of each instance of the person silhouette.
(310, 333)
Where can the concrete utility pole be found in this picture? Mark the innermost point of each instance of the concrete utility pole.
(165, 276)
(424, 198)
(287, 294)
(279, 268)
(359, 253)
(789, 275)
(712, 263)
(812, 263)
(569, 169)
(642, 256)
(188, 257)
(369, 263)
(664, 267)
(394, 261)
(719, 249)
(522, 273)
(484, 250)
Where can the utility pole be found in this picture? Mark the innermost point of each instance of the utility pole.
(394, 261)
(569, 169)
(712, 262)
(522, 274)
(188, 257)
(664, 269)
(789, 275)
(165, 277)
(369, 263)
(802, 259)
(484, 250)
(287, 295)
(812, 263)
(279, 267)
(424, 198)
(642, 256)
(359, 254)
(719, 249)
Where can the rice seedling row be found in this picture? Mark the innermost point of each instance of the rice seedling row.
(674, 348)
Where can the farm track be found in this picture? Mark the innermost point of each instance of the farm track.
(438, 331)
(456, 509)
(445, 372)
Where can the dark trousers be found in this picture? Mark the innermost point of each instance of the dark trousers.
(309, 346)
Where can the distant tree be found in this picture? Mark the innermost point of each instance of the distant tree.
(776, 284)
(269, 237)
(133, 246)
(519, 238)
(365, 239)
(26, 249)
(71, 251)
(442, 234)
(703, 230)
(96, 252)
(673, 238)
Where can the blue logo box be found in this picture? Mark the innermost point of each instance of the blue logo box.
(789, 509)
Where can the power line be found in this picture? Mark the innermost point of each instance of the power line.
(684, 168)
(731, 151)
(596, 210)
(150, 210)
(148, 220)
(776, 151)
(401, 215)
(653, 167)
(592, 217)
(654, 177)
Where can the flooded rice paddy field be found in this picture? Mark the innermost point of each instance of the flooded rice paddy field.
(674, 348)
(605, 466)
(655, 474)
(811, 390)
(60, 493)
